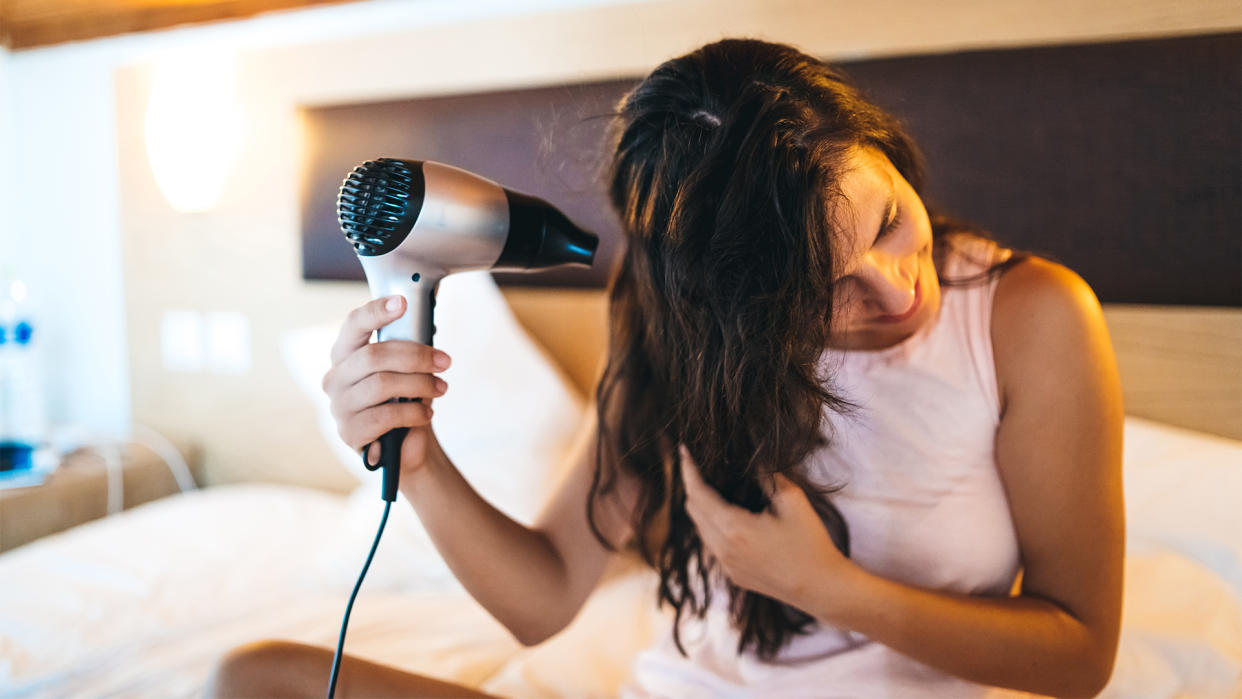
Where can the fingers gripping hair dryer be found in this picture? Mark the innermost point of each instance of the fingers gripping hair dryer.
(414, 222)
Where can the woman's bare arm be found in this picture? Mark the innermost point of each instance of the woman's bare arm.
(532, 579)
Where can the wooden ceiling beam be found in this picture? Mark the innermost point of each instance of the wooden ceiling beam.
(28, 24)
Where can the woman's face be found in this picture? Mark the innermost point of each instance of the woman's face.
(886, 286)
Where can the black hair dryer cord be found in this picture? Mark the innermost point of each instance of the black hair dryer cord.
(340, 643)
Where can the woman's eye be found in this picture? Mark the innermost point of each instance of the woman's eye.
(892, 225)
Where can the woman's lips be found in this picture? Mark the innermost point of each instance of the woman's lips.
(918, 301)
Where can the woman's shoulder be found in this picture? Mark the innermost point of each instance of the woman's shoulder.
(1041, 310)
(1039, 289)
(1026, 283)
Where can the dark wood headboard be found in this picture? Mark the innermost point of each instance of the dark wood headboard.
(1121, 160)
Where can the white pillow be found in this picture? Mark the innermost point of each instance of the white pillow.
(507, 421)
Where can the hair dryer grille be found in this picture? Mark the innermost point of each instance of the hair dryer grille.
(379, 202)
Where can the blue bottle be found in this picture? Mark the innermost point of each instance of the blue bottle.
(22, 419)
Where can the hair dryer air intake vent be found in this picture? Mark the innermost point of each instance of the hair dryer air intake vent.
(379, 203)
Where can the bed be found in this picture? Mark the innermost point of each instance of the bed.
(143, 603)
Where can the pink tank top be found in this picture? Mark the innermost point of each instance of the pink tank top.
(922, 497)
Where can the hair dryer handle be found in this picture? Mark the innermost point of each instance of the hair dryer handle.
(416, 324)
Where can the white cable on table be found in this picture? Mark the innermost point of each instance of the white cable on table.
(108, 446)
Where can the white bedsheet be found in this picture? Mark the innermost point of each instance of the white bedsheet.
(143, 603)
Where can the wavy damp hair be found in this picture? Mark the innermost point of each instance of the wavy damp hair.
(725, 166)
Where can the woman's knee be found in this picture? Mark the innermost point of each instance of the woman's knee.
(268, 668)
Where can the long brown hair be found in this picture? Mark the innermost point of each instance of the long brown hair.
(725, 166)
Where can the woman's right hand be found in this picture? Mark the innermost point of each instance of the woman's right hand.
(365, 376)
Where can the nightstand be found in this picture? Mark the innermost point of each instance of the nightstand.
(77, 491)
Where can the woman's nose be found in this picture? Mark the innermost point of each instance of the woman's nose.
(892, 285)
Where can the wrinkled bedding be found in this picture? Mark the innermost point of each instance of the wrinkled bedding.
(143, 603)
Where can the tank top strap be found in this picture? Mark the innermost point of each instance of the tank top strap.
(970, 293)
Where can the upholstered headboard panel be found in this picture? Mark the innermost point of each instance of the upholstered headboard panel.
(1119, 159)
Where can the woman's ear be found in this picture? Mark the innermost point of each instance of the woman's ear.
(778, 488)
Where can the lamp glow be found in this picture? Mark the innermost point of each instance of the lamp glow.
(193, 130)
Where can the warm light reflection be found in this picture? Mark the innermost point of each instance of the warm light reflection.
(193, 129)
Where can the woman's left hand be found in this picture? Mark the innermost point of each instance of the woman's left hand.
(784, 552)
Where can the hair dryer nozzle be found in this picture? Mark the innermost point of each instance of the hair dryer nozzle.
(379, 202)
(564, 242)
(541, 236)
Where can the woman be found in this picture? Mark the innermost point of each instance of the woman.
(867, 452)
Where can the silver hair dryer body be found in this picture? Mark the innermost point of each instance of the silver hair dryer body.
(414, 222)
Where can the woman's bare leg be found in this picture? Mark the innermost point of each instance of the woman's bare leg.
(287, 669)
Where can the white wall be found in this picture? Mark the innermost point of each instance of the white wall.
(63, 213)
(7, 231)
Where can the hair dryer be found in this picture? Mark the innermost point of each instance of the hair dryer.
(414, 222)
